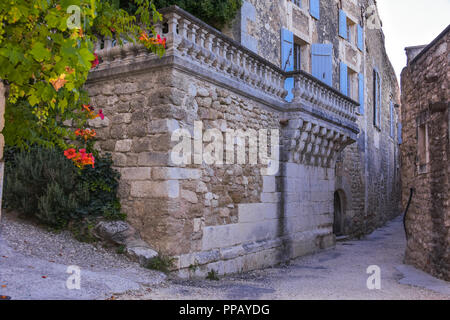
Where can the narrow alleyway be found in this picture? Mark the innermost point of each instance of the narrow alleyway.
(338, 273)
(35, 267)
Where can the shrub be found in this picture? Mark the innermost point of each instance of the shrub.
(217, 13)
(44, 184)
(40, 183)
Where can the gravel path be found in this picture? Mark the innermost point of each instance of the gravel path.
(338, 273)
(34, 262)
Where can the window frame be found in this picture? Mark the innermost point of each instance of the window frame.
(377, 99)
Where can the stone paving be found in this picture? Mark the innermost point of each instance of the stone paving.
(338, 273)
(36, 268)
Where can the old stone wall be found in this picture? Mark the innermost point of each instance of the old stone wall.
(425, 153)
(228, 217)
(368, 172)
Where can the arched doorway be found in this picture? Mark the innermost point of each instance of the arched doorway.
(339, 213)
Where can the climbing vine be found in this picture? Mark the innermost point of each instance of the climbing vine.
(46, 53)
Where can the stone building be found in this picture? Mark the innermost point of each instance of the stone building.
(425, 155)
(303, 89)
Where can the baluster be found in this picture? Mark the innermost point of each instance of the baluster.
(210, 59)
(184, 44)
(193, 38)
(201, 55)
(172, 38)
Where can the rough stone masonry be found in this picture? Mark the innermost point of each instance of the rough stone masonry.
(426, 150)
(234, 217)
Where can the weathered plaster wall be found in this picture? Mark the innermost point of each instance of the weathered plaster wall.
(425, 102)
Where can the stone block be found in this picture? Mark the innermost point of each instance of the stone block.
(253, 212)
(139, 173)
(155, 189)
(269, 184)
(123, 145)
(152, 159)
(174, 173)
(189, 196)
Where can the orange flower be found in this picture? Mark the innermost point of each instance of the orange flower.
(86, 134)
(143, 37)
(70, 153)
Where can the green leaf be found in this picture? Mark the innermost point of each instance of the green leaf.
(39, 52)
(33, 100)
(86, 57)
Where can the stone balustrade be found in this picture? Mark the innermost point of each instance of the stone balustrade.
(199, 44)
(311, 92)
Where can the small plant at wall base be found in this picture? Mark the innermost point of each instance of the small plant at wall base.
(161, 263)
(213, 275)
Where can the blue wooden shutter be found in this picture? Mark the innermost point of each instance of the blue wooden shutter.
(361, 93)
(287, 60)
(314, 8)
(342, 24)
(343, 78)
(360, 38)
(322, 62)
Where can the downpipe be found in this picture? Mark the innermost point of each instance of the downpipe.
(411, 194)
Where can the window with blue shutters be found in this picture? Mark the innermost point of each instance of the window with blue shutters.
(314, 8)
(343, 24)
(322, 62)
(287, 60)
(360, 38)
(343, 78)
(376, 99)
(361, 93)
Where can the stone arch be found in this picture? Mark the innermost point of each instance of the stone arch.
(340, 207)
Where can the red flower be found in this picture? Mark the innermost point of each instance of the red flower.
(95, 62)
(70, 153)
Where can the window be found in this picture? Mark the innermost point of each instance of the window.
(351, 31)
(301, 55)
(422, 147)
(376, 99)
(297, 57)
(298, 3)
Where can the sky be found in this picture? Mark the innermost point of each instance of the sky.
(409, 23)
